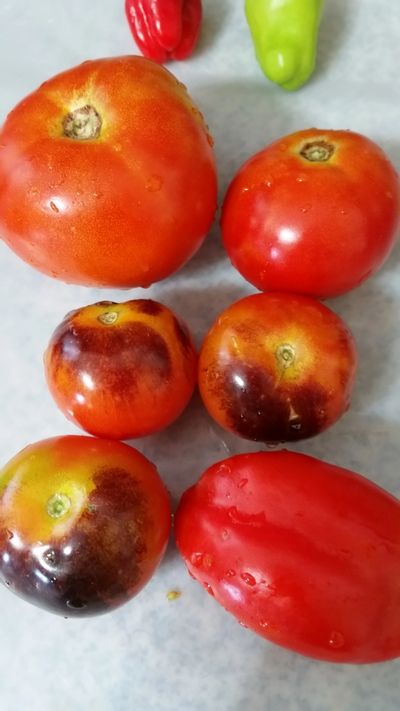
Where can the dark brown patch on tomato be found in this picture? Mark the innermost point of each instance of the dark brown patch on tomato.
(259, 410)
(119, 355)
(183, 335)
(99, 564)
(147, 306)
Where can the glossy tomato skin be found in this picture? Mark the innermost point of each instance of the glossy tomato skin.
(277, 367)
(125, 208)
(84, 524)
(121, 370)
(302, 552)
(291, 222)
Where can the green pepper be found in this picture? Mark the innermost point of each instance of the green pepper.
(285, 34)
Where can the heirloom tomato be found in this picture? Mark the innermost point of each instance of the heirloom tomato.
(315, 213)
(277, 367)
(121, 370)
(302, 552)
(84, 524)
(107, 175)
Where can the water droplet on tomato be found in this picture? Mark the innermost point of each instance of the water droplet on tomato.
(248, 578)
(224, 470)
(243, 625)
(230, 573)
(336, 640)
(9, 534)
(209, 589)
(76, 604)
(53, 206)
(242, 483)
(224, 534)
(295, 425)
(50, 557)
(208, 561)
(301, 178)
(263, 623)
(154, 183)
(196, 559)
(306, 208)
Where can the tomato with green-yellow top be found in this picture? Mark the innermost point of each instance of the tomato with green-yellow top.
(277, 367)
(84, 524)
(107, 175)
(122, 370)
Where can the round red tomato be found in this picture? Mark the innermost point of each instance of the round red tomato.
(121, 370)
(304, 553)
(277, 367)
(84, 524)
(314, 213)
(107, 175)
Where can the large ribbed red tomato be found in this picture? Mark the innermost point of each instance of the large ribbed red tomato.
(315, 212)
(107, 175)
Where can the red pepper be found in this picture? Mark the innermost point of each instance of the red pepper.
(165, 29)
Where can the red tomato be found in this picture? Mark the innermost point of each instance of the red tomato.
(304, 553)
(121, 370)
(83, 524)
(315, 213)
(107, 175)
(277, 367)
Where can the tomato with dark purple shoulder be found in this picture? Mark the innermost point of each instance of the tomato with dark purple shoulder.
(122, 370)
(316, 213)
(277, 367)
(304, 553)
(84, 524)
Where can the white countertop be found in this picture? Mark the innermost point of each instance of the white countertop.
(153, 654)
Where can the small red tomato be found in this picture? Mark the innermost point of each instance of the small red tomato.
(302, 552)
(107, 175)
(121, 370)
(277, 367)
(314, 213)
(84, 524)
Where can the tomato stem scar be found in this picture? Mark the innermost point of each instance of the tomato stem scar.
(58, 505)
(108, 317)
(82, 124)
(285, 355)
(317, 151)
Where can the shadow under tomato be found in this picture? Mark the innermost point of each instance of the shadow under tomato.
(200, 305)
(372, 313)
(244, 117)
